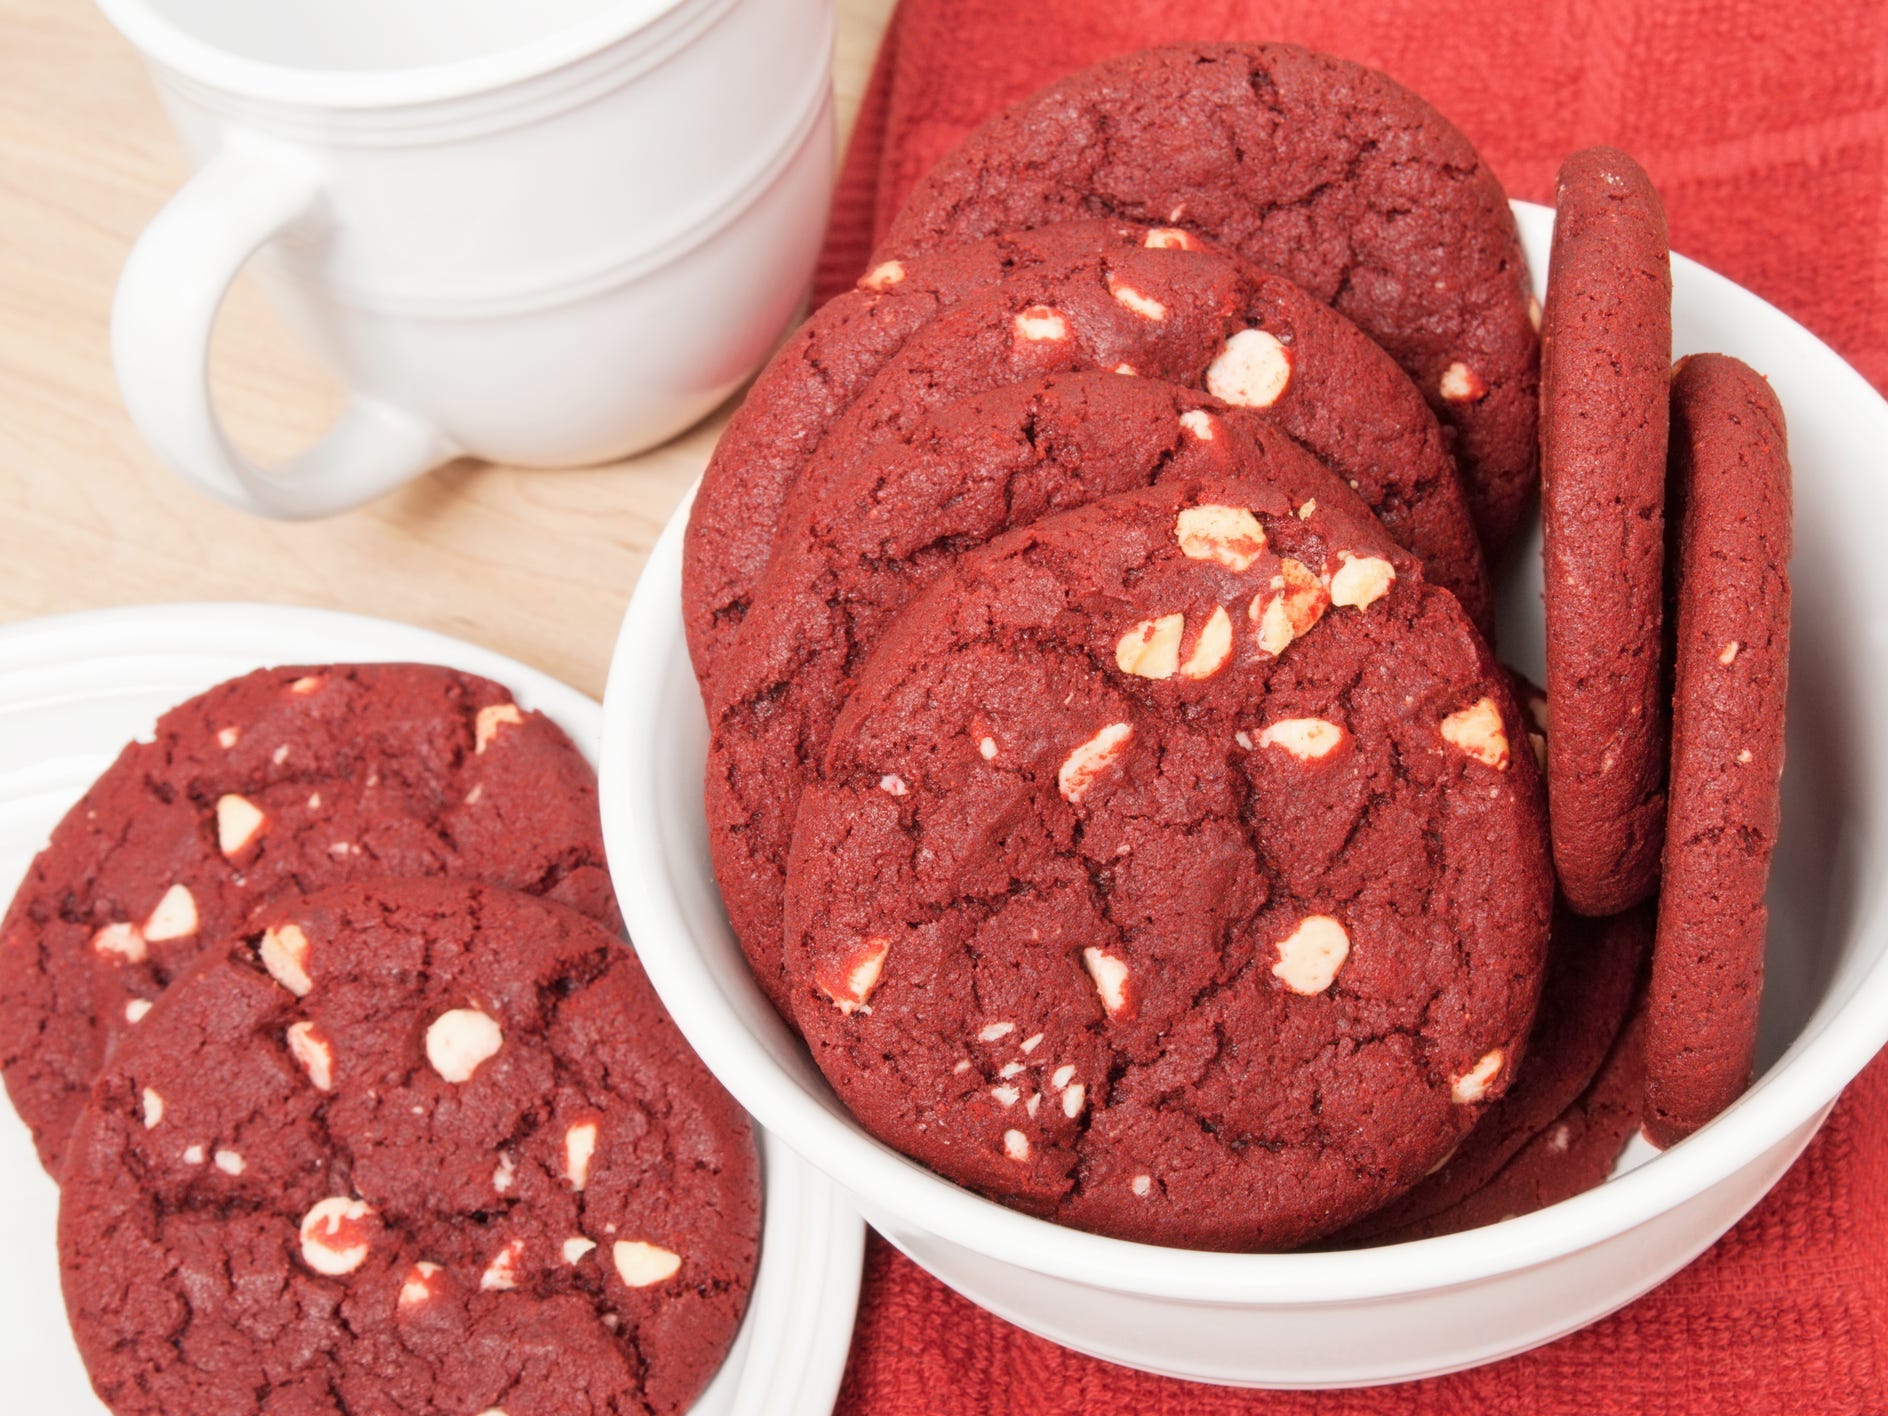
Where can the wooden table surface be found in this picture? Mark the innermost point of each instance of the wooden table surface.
(537, 565)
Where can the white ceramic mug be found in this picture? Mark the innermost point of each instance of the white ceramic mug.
(549, 233)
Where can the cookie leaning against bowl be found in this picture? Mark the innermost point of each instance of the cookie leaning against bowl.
(1328, 172)
(850, 560)
(406, 1145)
(1731, 504)
(1605, 377)
(1177, 767)
(1252, 339)
(291, 777)
(1156, 302)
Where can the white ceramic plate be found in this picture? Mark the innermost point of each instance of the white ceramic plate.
(75, 689)
(1398, 1312)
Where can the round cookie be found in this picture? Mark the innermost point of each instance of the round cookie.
(1594, 971)
(1171, 876)
(1328, 172)
(1731, 509)
(416, 1146)
(1605, 371)
(849, 561)
(285, 778)
(1575, 1154)
(1150, 302)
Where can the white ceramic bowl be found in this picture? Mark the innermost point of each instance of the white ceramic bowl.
(1411, 1310)
(75, 689)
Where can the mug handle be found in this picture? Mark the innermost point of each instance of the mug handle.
(169, 293)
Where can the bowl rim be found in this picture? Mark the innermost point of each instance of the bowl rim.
(1804, 1081)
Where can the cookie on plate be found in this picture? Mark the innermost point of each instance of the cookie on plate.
(1171, 876)
(1605, 373)
(415, 1146)
(1151, 303)
(1328, 172)
(284, 778)
(887, 525)
(1731, 506)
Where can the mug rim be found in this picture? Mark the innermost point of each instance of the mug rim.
(163, 42)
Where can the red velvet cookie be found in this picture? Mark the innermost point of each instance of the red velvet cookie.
(1605, 371)
(1110, 300)
(850, 560)
(1320, 169)
(1731, 507)
(1594, 972)
(1575, 1154)
(1171, 875)
(414, 1146)
(285, 778)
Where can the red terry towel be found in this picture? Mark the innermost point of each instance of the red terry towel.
(1765, 125)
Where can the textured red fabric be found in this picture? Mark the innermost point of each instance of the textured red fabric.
(1764, 124)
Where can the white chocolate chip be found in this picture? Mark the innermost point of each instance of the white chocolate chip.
(229, 1162)
(125, 941)
(284, 953)
(1008, 1095)
(1306, 511)
(1200, 423)
(1010, 1069)
(640, 1264)
(1307, 739)
(1473, 1084)
(418, 1285)
(153, 1108)
(1141, 1184)
(1478, 732)
(458, 1040)
(1146, 306)
(1128, 369)
(1089, 759)
(986, 749)
(1726, 656)
(961, 1068)
(1151, 649)
(1031, 1043)
(229, 737)
(193, 1155)
(280, 755)
(471, 797)
(504, 1173)
(1461, 384)
(1534, 313)
(580, 1143)
(174, 916)
(238, 822)
(136, 1008)
(1039, 322)
(893, 785)
(1230, 535)
(1743, 757)
(1110, 974)
(1361, 580)
(1016, 1145)
(995, 1032)
(576, 1247)
(1072, 1100)
(334, 1239)
(315, 1053)
(501, 1273)
(857, 977)
(1062, 1076)
(1290, 608)
(883, 277)
(1213, 649)
(1309, 958)
(308, 683)
(1169, 238)
(491, 718)
(1252, 371)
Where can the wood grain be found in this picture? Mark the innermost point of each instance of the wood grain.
(537, 565)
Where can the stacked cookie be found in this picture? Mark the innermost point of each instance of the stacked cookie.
(317, 1009)
(1110, 777)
